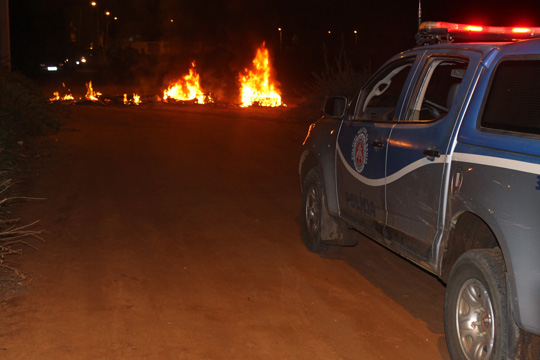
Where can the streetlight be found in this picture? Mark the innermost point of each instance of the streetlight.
(95, 20)
(280, 38)
(355, 37)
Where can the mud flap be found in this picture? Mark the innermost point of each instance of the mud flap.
(335, 231)
(527, 346)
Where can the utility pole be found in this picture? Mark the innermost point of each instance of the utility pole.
(5, 47)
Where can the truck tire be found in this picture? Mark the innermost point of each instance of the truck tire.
(313, 205)
(476, 310)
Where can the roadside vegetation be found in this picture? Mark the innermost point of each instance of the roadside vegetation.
(339, 77)
(24, 112)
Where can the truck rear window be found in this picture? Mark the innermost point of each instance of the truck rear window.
(513, 103)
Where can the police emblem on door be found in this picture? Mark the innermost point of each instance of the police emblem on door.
(360, 150)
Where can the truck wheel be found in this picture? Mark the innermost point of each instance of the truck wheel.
(476, 312)
(313, 205)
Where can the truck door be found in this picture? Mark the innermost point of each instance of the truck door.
(417, 152)
(362, 146)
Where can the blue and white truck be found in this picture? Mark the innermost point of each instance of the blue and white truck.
(438, 159)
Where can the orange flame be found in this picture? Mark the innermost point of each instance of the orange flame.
(135, 100)
(90, 93)
(188, 89)
(67, 97)
(57, 97)
(256, 85)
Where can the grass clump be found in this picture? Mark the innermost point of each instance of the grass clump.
(24, 111)
(13, 237)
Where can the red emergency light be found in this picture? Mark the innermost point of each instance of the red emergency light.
(520, 30)
(440, 31)
(474, 28)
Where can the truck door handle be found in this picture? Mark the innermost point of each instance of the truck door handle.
(432, 153)
(378, 143)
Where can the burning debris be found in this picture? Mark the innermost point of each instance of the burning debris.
(96, 97)
(257, 87)
(56, 97)
(187, 90)
(91, 95)
(135, 100)
(66, 97)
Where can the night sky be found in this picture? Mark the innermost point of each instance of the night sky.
(228, 31)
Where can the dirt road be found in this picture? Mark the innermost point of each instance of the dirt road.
(172, 233)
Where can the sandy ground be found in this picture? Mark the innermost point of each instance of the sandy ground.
(172, 233)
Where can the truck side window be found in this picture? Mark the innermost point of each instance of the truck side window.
(436, 92)
(380, 97)
(513, 100)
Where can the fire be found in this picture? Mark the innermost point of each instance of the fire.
(57, 97)
(90, 93)
(256, 86)
(67, 97)
(188, 89)
(135, 100)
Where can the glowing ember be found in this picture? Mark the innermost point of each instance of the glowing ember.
(187, 89)
(257, 86)
(90, 93)
(135, 100)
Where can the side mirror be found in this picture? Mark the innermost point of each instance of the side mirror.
(335, 106)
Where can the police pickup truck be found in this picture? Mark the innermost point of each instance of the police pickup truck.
(438, 159)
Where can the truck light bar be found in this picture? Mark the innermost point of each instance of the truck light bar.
(441, 32)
